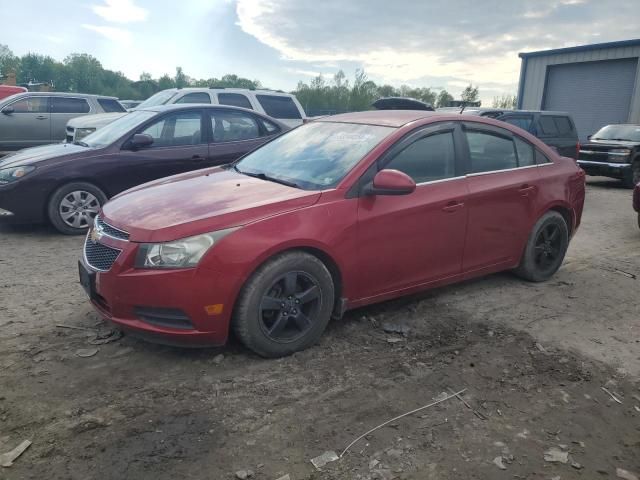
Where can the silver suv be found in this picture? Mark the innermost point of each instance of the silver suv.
(276, 104)
(38, 118)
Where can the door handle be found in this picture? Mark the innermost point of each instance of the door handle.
(526, 189)
(41, 117)
(452, 207)
(197, 158)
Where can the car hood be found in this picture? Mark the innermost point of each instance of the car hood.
(199, 202)
(35, 155)
(611, 143)
(95, 121)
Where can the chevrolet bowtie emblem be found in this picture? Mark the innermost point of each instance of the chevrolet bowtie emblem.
(95, 235)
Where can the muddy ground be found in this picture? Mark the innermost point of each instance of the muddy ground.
(532, 358)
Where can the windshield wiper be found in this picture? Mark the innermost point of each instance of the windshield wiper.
(81, 143)
(268, 178)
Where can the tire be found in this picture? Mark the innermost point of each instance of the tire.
(633, 178)
(545, 249)
(285, 306)
(82, 198)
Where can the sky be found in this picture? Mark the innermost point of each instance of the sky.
(433, 43)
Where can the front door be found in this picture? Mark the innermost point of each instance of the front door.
(178, 146)
(28, 125)
(503, 186)
(415, 239)
(64, 109)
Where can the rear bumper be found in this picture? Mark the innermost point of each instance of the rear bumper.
(605, 169)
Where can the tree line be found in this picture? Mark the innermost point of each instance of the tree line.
(81, 72)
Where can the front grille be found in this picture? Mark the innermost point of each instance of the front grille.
(99, 256)
(111, 230)
(593, 155)
(69, 138)
(164, 317)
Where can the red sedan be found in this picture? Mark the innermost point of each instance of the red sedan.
(339, 213)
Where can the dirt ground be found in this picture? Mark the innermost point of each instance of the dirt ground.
(532, 358)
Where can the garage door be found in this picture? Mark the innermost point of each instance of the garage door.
(595, 93)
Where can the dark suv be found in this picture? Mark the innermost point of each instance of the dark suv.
(613, 151)
(556, 129)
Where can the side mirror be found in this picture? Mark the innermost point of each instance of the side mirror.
(140, 140)
(8, 110)
(390, 182)
(589, 137)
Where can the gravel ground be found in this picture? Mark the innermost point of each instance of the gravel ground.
(533, 358)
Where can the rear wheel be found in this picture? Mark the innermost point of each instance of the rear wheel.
(285, 306)
(545, 249)
(73, 207)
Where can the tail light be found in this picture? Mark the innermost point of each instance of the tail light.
(577, 150)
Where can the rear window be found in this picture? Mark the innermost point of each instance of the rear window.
(111, 105)
(69, 105)
(195, 97)
(563, 125)
(279, 106)
(234, 100)
(541, 158)
(548, 125)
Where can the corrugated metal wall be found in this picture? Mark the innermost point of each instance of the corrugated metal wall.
(534, 74)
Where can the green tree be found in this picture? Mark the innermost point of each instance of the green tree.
(165, 82)
(180, 80)
(8, 61)
(470, 94)
(85, 72)
(443, 98)
(505, 101)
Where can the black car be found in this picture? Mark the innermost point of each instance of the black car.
(401, 103)
(66, 184)
(556, 129)
(613, 151)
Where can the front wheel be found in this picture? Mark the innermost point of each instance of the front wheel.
(545, 249)
(73, 207)
(633, 176)
(285, 306)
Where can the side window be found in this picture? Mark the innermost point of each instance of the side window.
(563, 125)
(69, 105)
(111, 105)
(175, 130)
(522, 122)
(31, 105)
(235, 100)
(229, 126)
(525, 153)
(489, 152)
(195, 97)
(548, 126)
(541, 158)
(278, 106)
(269, 127)
(427, 159)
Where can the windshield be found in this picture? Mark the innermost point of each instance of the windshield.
(159, 98)
(116, 129)
(618, 132)
(314, 156)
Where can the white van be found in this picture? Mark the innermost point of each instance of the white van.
(277, 104)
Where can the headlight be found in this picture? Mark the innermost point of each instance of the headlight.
(8, 175)
(185, 253)
(619, 152)
(80, 133)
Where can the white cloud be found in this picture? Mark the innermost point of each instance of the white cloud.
(120, 11)
(112, 33)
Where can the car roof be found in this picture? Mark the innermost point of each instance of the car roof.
(65, 94)
(544, 112)
(262, 91)
(387, 118)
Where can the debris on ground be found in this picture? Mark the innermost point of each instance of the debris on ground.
(499, 463)
(107, 336)
(395, 339)
(625, 474)
(75, 327)
(616, 399)
(7, 459)
(327, 457)
(244, 474)
(218, 359)
(284, 477)
(555, 455)
(87, 352)
(390, 327)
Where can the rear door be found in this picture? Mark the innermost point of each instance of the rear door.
(558, 132)
(64, 109)
(235, 133)
(503, 186)
(29, 124)
(415, 239)
(235, 100)
(178, 146)
(281, 107)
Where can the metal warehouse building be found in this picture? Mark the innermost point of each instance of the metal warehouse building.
(598, 84)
